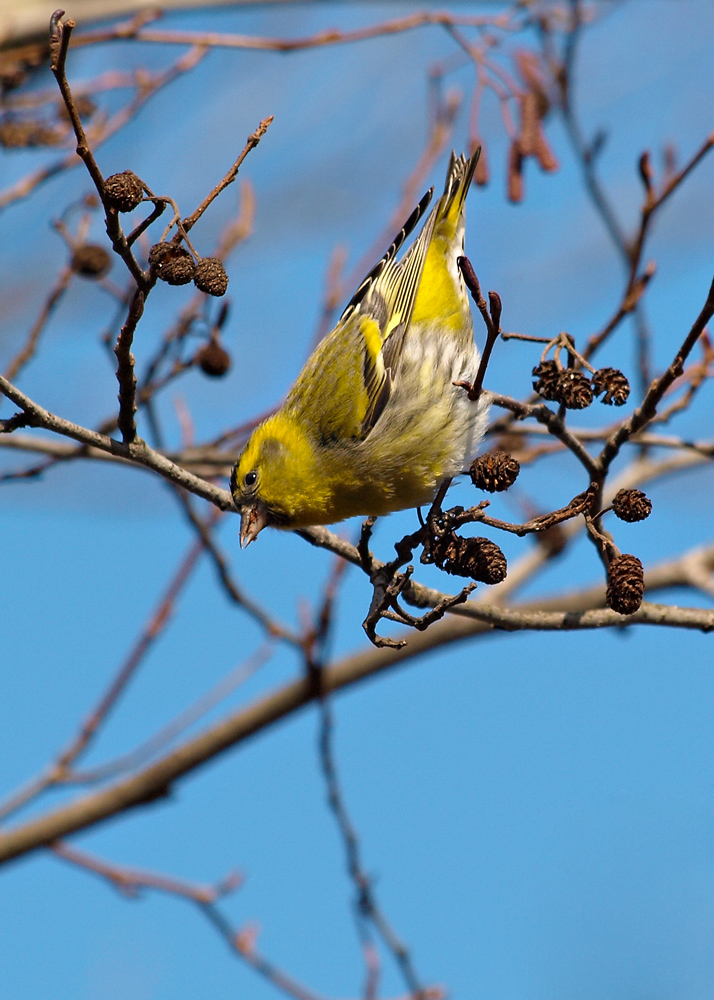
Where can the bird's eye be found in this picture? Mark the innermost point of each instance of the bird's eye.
(250, 478)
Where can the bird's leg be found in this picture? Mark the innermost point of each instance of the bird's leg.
(438, 499)
(491, 314)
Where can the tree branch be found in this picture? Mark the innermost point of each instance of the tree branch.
(580, 610)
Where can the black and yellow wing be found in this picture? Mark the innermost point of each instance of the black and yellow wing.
(345, 385)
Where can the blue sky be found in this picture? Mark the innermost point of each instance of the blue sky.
(537, 809)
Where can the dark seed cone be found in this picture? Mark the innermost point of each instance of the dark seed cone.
(495, 471)
(553, 540)
(172, 263)
(214, 360)
(484, 560)
(442, 550)
(21, 134)
(45, 135)
(478, 558)
(625, 584)
(574, 389)
(15, 135)
(613, 384)
(124, 191)
(211, 276)
(547, 374)
(83, 103)
(12, 74)
(631, 505)
(91, 260)
(514, 177)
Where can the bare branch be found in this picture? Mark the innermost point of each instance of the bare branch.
(137, 451)
(49, 305)
(190, 221)
(578, 610)
(645, 413)
(132, 31)
(554, 423)
(125, 369)
(131, 881)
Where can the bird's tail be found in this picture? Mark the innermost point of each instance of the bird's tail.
(458, 181)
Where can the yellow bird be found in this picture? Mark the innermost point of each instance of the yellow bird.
(374, 422)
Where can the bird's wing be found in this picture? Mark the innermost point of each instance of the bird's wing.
(383, 305)
(346, 383)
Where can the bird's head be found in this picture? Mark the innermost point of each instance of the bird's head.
(276, 480)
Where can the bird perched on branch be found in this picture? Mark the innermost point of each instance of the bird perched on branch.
(374, 422)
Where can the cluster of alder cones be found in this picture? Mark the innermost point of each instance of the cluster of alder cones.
(479, 558)
(575, 390)
(482, 560)
(168, 261)
(625, 576)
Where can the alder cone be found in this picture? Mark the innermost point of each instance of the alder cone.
(84, 106)
(547, 374)
(486, 561)
(613, 384)
(631, 505)
(214, 360)
(495, 471)
(625, 584)
(172, 263)
(91, 260)
(123, 191)
(477, 558)
(573, 389)
(210, 276)
(18, 134)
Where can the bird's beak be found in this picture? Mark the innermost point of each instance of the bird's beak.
(252, 521)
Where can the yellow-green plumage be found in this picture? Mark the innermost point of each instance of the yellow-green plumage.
(374, 422)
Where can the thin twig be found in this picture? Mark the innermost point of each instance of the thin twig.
(209, 39)
(578, 611)
(137, 451)
(366, 903)
(125, 368)
(190, 221)
(60, 770)
(273, 629)
(60, 34)
(168, 733)
(48, 307)
(647, 410)
(554, 423)
(131, 881)
(147, 86)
